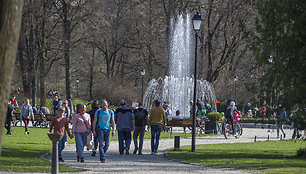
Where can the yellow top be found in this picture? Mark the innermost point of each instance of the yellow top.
(157, 116)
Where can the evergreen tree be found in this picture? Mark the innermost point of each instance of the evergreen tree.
(280, 49)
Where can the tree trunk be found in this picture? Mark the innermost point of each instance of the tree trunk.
(42, 62)
(91, 71)
(67, 37)
(10, 20)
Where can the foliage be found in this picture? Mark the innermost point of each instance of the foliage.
(262, 157)
(214, 116)
(281, 36)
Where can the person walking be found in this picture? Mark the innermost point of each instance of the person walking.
(10, 109)
(55, 105)
(157, 121)
(141, 120)
(26, 115)
(125, 122)
(80, 129)
(103, 118)
(280, 121)
(59, 124)
(67, 109)
(92, 112)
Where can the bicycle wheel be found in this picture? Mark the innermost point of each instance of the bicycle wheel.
(226, 131)
(240, 128)
(237, 130)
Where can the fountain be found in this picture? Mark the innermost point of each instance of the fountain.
(177, 87)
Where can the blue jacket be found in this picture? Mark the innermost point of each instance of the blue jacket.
(123, 118)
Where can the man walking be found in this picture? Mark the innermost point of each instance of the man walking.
(141, 119)
(125, 121)
(103, 118)
(157, 122)
(92, 113)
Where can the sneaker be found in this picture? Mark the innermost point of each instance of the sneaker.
(28, 133)
(8, 133)
(127, 151)
(135, 151)
(81, 160)
(102, 160)
(60, 159)
(139, 153)
(152, 153)
(93, 153)
(25, 133)
(78, 158)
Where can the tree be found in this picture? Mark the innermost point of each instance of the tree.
(280, 49)
(10, 20)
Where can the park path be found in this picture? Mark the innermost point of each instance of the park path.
(152, 164)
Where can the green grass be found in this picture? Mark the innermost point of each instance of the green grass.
(262, 157)
(22, 152)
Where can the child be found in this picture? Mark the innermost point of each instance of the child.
(59, 124)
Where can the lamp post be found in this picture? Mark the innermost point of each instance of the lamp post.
(77, 82)
(196, 20)
(235, 80)
(143, 72)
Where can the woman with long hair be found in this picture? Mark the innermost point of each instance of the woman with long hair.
(26, 115)
(81, 128)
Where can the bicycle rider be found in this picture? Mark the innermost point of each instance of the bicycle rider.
(229, 115)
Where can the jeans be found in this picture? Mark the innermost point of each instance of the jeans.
(139, 130)
(103, 136)
(95, 141)
(80, 140)
(155, 133)
(61, 145)
(124, 138)
(26, 122)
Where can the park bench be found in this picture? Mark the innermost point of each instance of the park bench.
(43, 119)
(183, 123)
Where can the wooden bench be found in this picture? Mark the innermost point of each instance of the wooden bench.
(183, 123)
(43, 119)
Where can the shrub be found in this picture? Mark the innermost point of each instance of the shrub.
(214, 116)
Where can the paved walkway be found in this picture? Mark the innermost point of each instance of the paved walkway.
(148, 163)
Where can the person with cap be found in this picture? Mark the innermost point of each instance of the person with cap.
(125, 122)
(141, 120)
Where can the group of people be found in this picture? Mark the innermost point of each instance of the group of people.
(26, 114)
(102, 122)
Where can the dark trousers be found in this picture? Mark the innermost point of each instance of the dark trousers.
(8, 125)
(139, 130)
(124, 138)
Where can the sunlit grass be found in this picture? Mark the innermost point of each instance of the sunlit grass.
(263, 157)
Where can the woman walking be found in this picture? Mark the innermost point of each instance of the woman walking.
(26, 115)
(81, 128)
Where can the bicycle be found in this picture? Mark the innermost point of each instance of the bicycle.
(228, 131)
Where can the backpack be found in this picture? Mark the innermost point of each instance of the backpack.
(140, 117)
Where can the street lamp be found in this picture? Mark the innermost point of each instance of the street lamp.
(235, 80)
(77, 82)
(196, 20)
(143, 72)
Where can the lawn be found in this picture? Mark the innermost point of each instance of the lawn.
(262, 157)
(22, 152)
